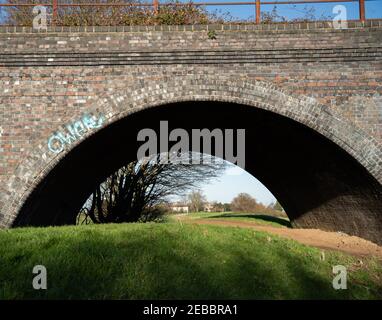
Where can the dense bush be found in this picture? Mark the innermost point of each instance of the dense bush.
(244, 202)
(172, 14)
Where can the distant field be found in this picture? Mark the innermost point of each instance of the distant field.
(257, 218)
(174, 261)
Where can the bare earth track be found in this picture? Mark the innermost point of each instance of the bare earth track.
(313, 237)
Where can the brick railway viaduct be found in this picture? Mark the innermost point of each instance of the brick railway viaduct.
(308, 95)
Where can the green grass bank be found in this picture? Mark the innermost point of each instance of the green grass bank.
(174, 261)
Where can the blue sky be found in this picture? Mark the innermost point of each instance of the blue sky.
(234, 181)
(373, 9)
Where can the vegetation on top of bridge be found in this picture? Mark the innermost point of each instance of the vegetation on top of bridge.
(140, 12)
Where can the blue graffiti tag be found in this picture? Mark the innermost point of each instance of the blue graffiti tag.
(59, 140)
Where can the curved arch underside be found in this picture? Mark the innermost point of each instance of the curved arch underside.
(318, 183)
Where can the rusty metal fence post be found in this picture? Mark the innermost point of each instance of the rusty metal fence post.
(362, 10)
(156, 6)
(55, 11)
(257, 11)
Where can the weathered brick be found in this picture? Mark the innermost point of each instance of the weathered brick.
(329, 80)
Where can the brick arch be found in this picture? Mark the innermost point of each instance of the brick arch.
(364, 148)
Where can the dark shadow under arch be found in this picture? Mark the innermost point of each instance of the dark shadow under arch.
(318, 183)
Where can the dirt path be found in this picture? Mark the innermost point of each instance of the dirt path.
(312, 237)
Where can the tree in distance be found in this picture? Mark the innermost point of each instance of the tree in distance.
(197, 201)
(244, 202)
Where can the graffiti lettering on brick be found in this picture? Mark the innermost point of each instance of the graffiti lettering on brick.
(74, 131)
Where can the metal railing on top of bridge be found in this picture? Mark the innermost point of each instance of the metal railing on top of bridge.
(56, 4)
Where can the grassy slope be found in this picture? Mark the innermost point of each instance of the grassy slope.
(171, 260)
(261, 219)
